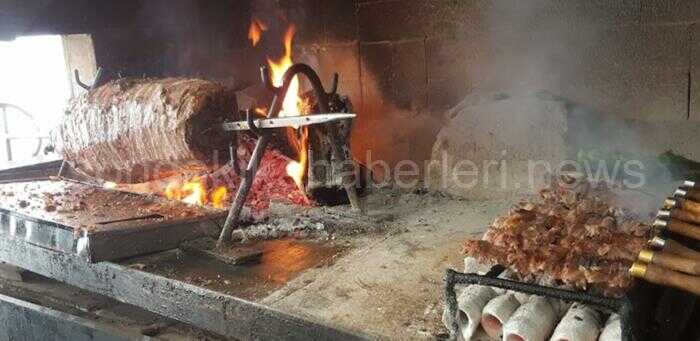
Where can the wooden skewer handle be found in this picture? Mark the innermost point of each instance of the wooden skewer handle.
(669, 278)
(683, 228)
(687, 216)
(693, 194)
(689, 205)
(676, 248)
(677, 263)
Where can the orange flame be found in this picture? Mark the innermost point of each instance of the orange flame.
(218, 197)
(297, 169)
(292, 105)
(255, 31)
(194, 192)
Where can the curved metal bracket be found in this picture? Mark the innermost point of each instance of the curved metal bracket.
(334, 85)
(251, 123)
(295, 69)
(80, 83)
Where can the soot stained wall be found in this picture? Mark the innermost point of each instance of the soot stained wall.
(404, 62)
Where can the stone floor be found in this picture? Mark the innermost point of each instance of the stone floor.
(390, 283)
(385, 282)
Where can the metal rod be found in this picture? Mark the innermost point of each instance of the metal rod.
(95, 81)
(237, 206)
(235, 211)
(6, 129)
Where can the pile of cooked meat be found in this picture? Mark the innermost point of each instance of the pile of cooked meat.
(571, 233)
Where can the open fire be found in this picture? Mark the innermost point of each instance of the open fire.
(293, 104)
(195, 191)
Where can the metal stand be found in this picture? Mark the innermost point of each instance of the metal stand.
(623, 306)
(340, 154)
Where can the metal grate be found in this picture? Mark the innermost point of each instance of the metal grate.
(635, 308)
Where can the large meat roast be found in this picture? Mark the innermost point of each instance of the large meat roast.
(137, 130)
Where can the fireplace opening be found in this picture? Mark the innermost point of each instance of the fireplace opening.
(306, 169)
(30, 66)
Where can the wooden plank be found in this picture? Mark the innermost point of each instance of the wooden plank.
(209, 310)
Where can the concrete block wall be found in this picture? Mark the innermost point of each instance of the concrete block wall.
(632, 59)
(405, 62)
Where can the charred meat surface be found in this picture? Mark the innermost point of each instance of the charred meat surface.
(571, 233)
(137, 130)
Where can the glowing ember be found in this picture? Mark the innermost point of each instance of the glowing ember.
(255, 31)
(261, 111)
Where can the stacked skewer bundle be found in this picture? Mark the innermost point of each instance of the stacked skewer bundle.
(668, 262)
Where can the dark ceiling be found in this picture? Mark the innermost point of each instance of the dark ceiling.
(29, 17)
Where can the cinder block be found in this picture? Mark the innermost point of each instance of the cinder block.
(389, 135)
(392, 20)
(449, 62)
(399, 72)
(340, 58)
(306, 15)
(634, 72)
(670, 11)
(456, 18)
(339, 20)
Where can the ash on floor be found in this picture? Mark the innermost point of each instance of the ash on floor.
(284, 220)
(389, 283)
